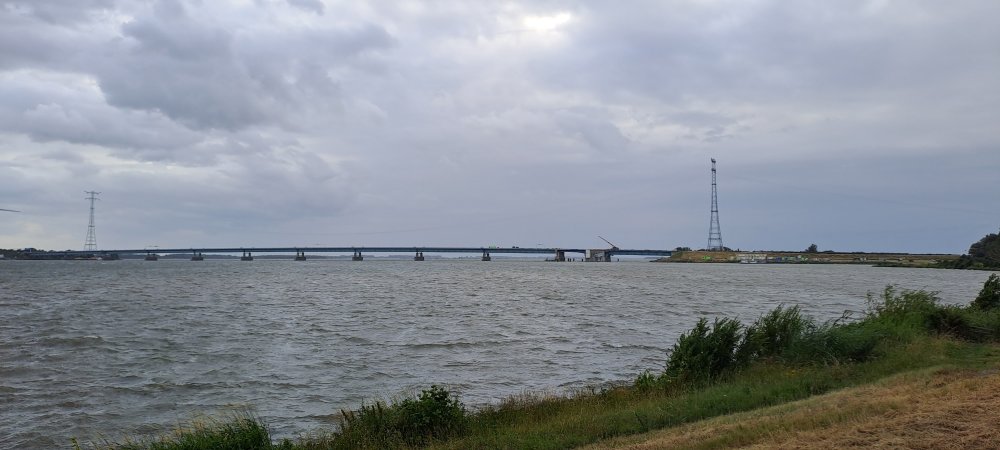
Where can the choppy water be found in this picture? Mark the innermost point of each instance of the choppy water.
(93, 349)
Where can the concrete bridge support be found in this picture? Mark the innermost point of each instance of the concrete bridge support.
(598, 255)
(246, 256)
(486, 256)
(560, 256)
(197, 256)
(357, 256)
(419, 257)
(300, 255)
(151, 256)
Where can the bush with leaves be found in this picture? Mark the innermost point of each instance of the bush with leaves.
(989, 296)
(774, 332)
(904, 313)
(705, 353)
(434, 414)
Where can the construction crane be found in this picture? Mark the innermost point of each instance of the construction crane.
(613, 246)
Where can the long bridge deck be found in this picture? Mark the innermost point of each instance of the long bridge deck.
(559, 253)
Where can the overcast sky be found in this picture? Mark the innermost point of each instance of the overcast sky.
(855, 125)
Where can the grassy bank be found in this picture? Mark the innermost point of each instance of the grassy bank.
(935, 408)
(716, 369)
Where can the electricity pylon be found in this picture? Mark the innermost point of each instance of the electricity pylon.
(714, 232)
(91, 243)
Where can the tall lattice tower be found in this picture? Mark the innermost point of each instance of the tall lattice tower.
(714, 232)
(91, 243)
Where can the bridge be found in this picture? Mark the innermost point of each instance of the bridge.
(559, 254)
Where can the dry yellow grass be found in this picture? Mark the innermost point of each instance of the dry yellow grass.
(942, 409)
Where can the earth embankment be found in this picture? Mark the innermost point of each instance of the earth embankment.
(927, 409)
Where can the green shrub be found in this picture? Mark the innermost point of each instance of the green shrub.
(955, 321)
(773, 333)
(902, 305)
(646, 381)
(704, 353)
(834, 343)
(985, 323)
(989, 296)
(707, 352)
(371, 426)
(435, 414)
(239, 431)
(902, 315)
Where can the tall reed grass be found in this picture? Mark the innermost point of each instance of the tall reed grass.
(707, 353)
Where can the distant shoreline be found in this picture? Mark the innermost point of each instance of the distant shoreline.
(784, 257)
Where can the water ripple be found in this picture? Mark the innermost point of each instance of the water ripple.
(92, 349)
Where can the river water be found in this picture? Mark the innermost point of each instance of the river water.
(98, 349)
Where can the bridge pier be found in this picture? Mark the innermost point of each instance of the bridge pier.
(357, 256)
(598, 255)
(486, 256)
(151, 256)
(560, 256)
(196, 256)
(300, 255)
(247, 256)
(419, 257)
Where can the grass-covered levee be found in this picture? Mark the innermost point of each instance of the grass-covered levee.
(719, 367)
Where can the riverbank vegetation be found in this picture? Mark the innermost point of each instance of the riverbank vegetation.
(983, 255)
(717, 368)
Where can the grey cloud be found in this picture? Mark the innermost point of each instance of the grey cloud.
(175, 36)
(56, 110)
(54, 122)
(56, 11)
(205, 78)
(171, 64)
(589, 128)
(201, 97)
(315, 6)
(260, 180)
(703, 126)
(731, 51)
(29, 42)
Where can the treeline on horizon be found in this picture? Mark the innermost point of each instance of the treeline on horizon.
(984, 254)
